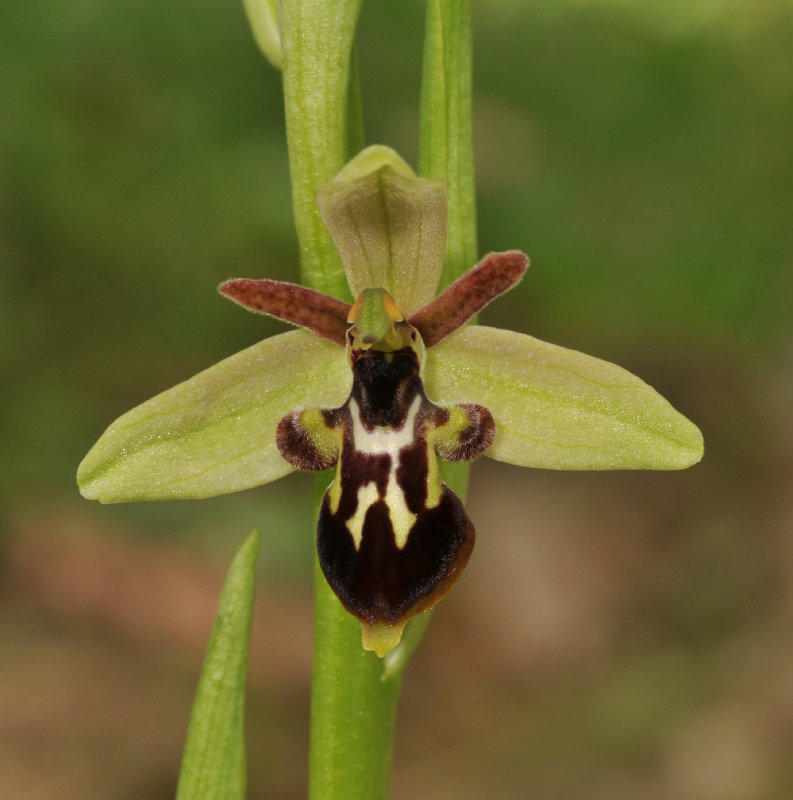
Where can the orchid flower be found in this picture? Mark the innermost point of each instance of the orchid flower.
(382, 389)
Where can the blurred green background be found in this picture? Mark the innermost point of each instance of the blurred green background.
(620, 635)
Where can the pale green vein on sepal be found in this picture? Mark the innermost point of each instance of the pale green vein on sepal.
(213, 765)
(557, 408)
(215, 433)
(389, 226)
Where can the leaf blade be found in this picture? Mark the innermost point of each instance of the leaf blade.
(213, 764)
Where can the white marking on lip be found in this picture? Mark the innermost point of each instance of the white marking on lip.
(367, 497)
(383, 439)
(402, 518)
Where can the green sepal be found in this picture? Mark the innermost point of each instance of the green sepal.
(388, 225)
(213, 765)
(557, 408)
(215, 433)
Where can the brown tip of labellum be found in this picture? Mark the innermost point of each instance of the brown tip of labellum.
(324, 315)
(451, 309)
(383, 584)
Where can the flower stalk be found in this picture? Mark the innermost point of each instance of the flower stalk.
(353, 703)
(316, 53)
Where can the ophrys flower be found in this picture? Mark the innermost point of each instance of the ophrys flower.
(382, 388)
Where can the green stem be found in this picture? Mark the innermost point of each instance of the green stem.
(353, 706)
(446, 144)
(353, 701)
(316, 43)
(354, 693)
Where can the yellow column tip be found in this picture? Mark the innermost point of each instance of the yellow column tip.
(381, 637)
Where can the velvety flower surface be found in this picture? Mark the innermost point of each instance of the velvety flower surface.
(382, 389)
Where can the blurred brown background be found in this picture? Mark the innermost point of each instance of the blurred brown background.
(617, 636)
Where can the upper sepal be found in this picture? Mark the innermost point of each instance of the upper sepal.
(215, 433)
(557, 408)
(388, 225)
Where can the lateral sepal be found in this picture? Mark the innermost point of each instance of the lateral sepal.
(215, 433)
(556, 408)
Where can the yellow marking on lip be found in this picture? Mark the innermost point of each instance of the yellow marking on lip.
(367, 497)
(334, 490)
(402, 518)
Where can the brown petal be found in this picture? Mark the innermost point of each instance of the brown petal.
(324, 315)
(492, 276)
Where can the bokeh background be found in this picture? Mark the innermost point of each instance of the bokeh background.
(617, 636)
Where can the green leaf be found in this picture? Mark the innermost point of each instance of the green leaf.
(263, 18)
(388, 225)
(557, 408)
(215, 433)
(353, 707)
(213, 765)
(319, 103)
(446, 147)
